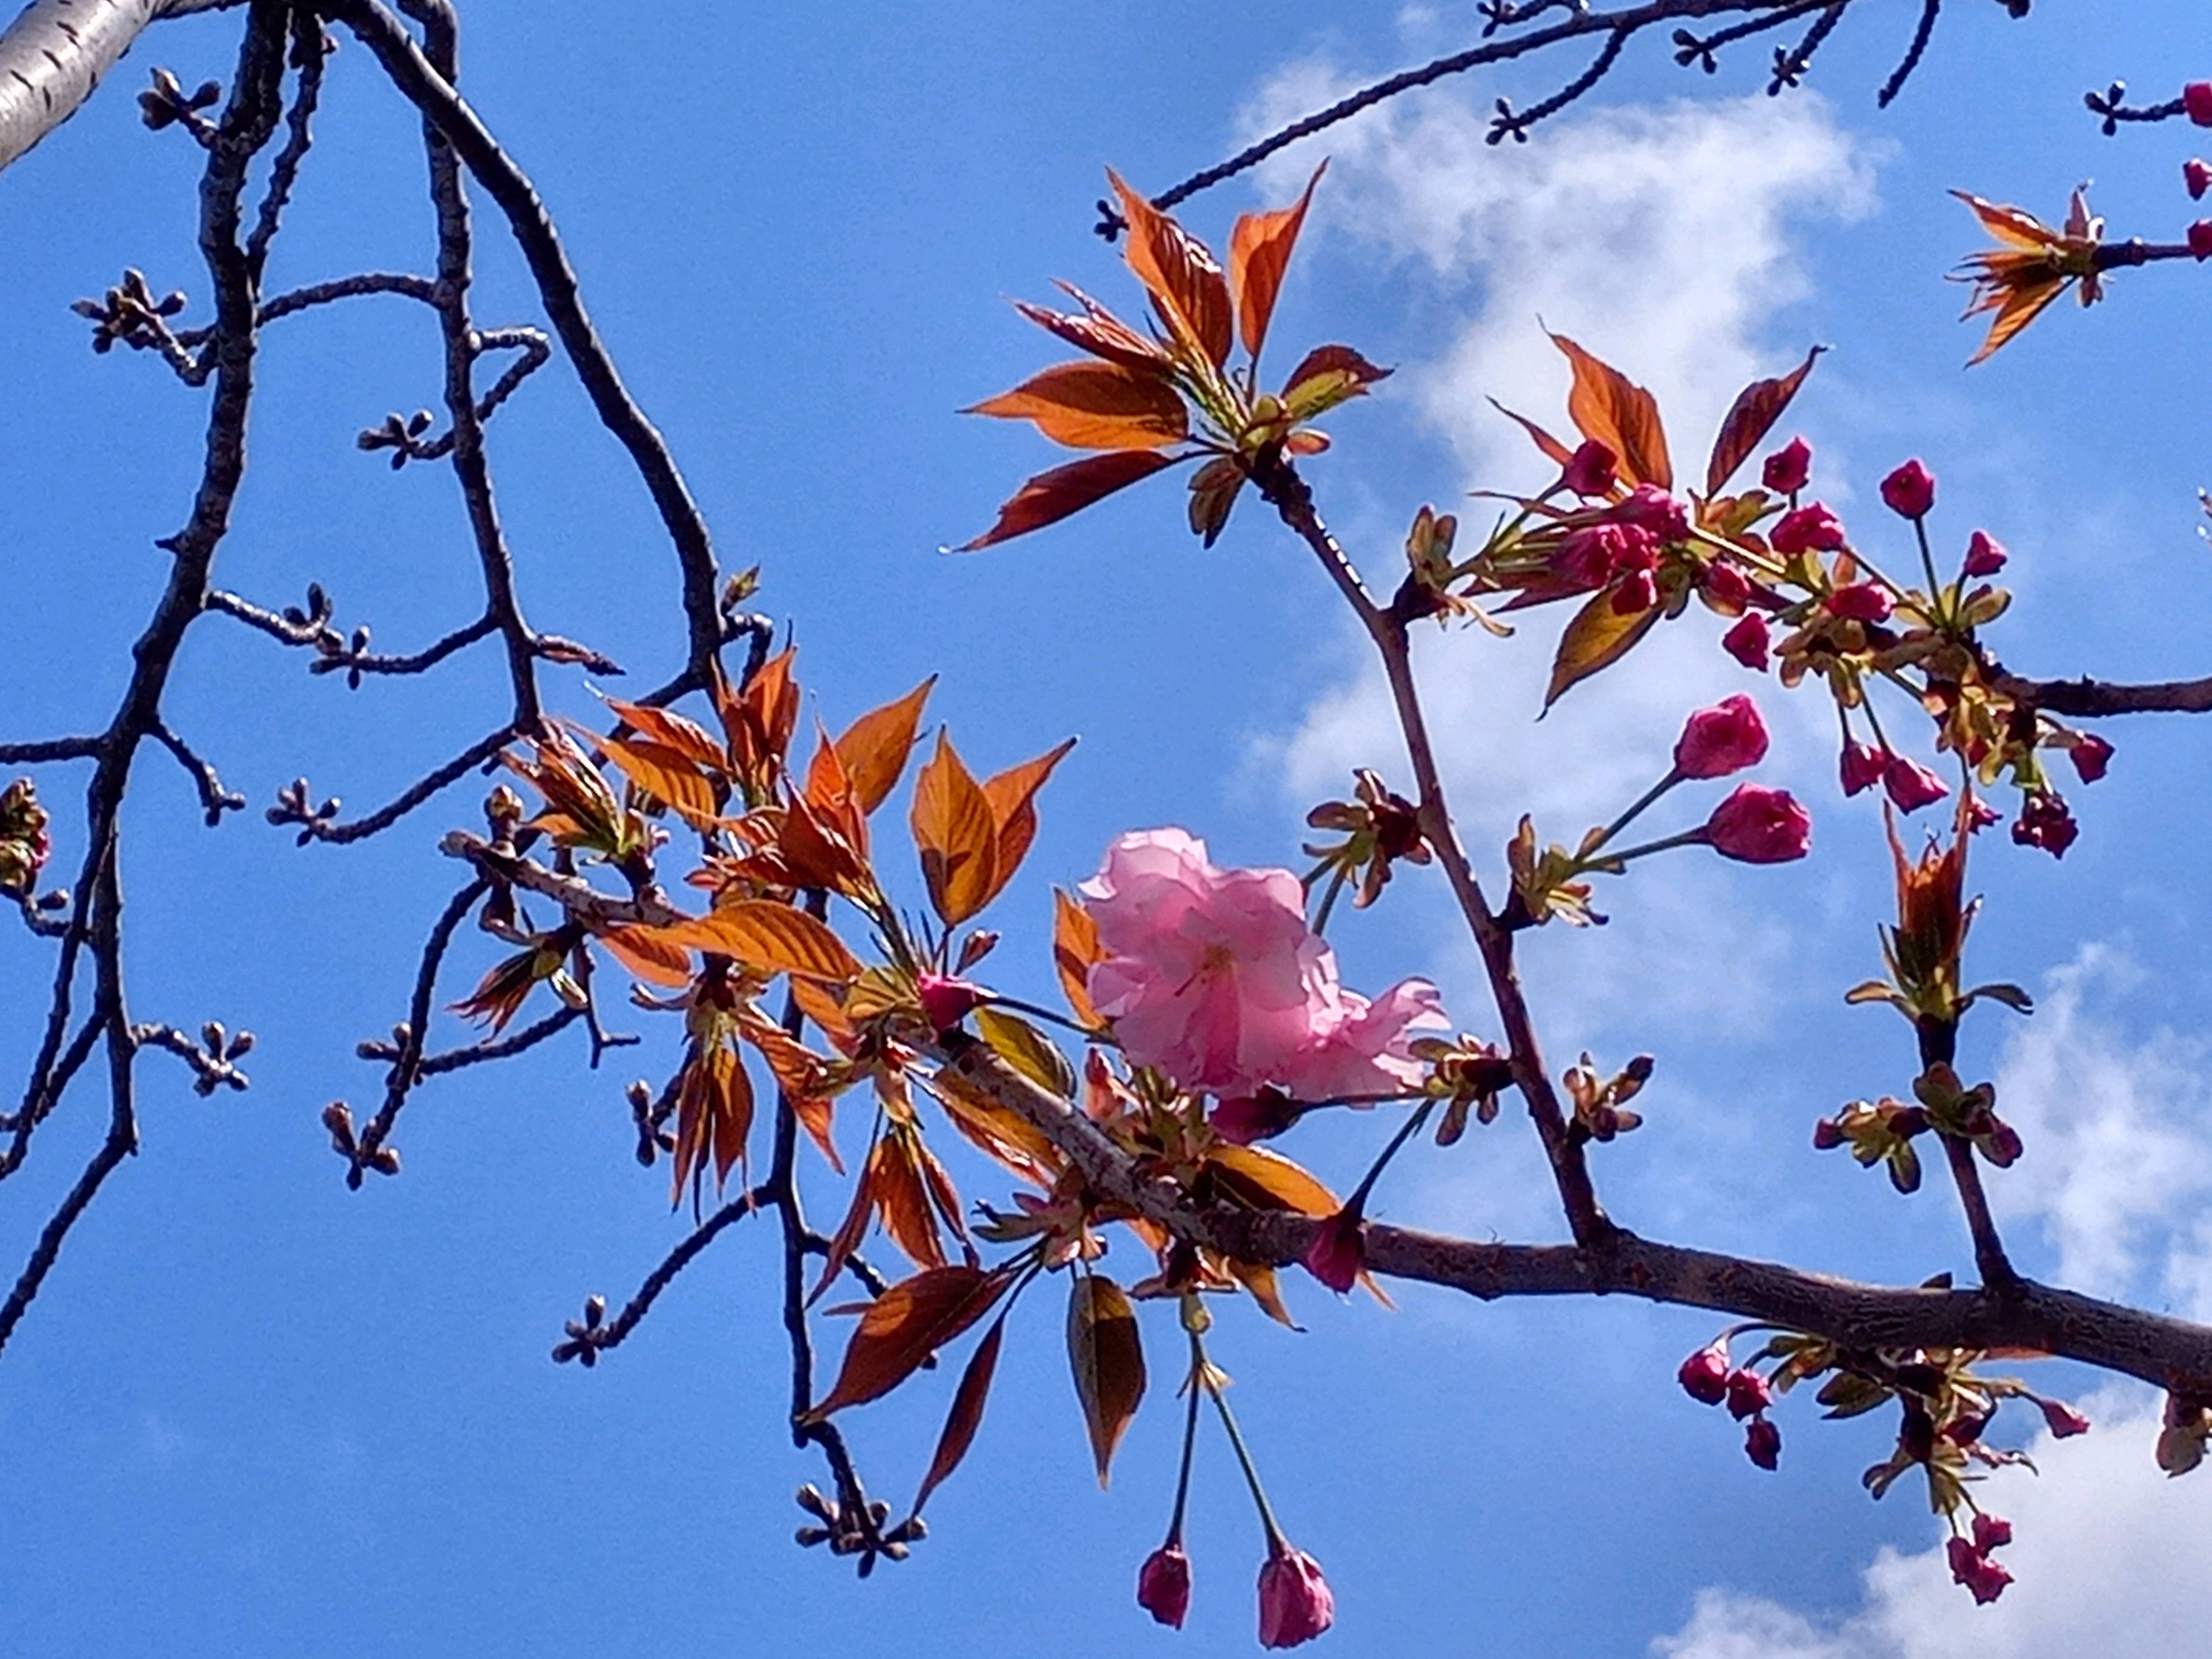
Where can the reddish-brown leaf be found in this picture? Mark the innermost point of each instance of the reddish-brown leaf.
(664, 772)
(1598, 637)
(1109, 1362)
(1259, 252)
(1258, 1278)
(1325, 377)
(771, 937)
(1075, 949)
(956, 834)
(1606, 405)
(1752, 415)
(734, 1109)
(967, 1413)
(759, 720)
(1011, 1140)
(874, 749)
(1100, 332)
(1213, 490)
(1267, 1181)
(1554, 451)
(672, 731)
(851, 1231)
(1012, 796)
(1087, 405)
(1051, 497)
(1181, 274)
(646, 953)
(905, 1325)
(902, 1198)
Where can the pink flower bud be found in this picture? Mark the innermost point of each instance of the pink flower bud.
(1811, 529)
(1724, 739)
(1295, 1605)
(2061, 1419)
(1649, 507)
(1638, 592)
(1339, 1250)
(945, 1002)
(1747, 641)
(1704, 1375)
(1595, 554)
(1787, 468)
(1910, 491)
(1985, 554)
(1861, 766)
(2045, 822)
(1590, 470)
(2091, 755)
(2196, 99)
(1163, 1584)
(1911, 785)
(1726, 589)
(1757, 825)
(1991, 1532)
(1748, 1393)
(1827, 1135)
(1866, 602)
(1248, 1118)
(1762, 1443)
(1983, 1577)
(2197, 176)
(2200, 238)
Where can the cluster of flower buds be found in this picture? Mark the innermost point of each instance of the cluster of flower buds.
(1379, 828)
(1970, 1562)
(1882, 1132)
(1467, 1076)
(1709, 1377)
(24, 846)
(1601, 1108)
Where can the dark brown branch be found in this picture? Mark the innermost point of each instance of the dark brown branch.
(1910, 61)
(214, 800)
(2089, 699)
(348, 288)
(310, 47)
(211, 1063)
(589, 1340)
(49, 749)
(321, 826)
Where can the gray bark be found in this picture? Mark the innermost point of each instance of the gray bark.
(54, 53)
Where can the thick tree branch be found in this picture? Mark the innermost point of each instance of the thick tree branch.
(54, 53)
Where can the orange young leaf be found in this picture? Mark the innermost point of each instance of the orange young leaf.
(874, 749)
(903, 1198)
(646, 954)
(1087, 405)
(1752, 415)
(672, 731)
(851, 1231)
(1258, 1278)
(1325, 377)
(2014, 227)
(956, 835)
(1598, 637)
(759, 720)
(1012, 796)
(1108, 1360)
(1606, 405)
(770, 938)
(1051, 497)
(1268, 1181)
(1099, 332)
(1259, 252)
(905, 1325)
(666, 773)
(1075, 949)
(998, 1133)
(966, 1415)
(1185, 283)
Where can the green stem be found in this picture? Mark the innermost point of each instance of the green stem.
(1357, 1202)
(1189, 1444)
(1276, 1541)
(1927, 564)
(1673, 776)
(1696, 837)
(1329, 900)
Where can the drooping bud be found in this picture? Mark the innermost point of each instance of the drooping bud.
(1704, 1375)
(2196, 99)
(1861, 767)
(1758, 825)
(1247, 1118)
(2197, 176)
(1339, 1250)
(1163, 1585)
(2091, 755)
(1590, 469)
(1762, 1443)
(1725, 588)
(2063, 1420)
(2200, 238)
(1747, 641)
(1810, 529)
(1866, 602)
(2045, 822)
(1911, 785)
(1748, 1393)
(1295, 1603)
(946, 1001)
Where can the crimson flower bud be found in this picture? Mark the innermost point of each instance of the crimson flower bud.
(1295, 1603)
(1638, 592)
(1649, 507)
(1758, 825)
(945, 1002)
(1163, 1584)
(1811, 529)
(1980, 814)
(1787, 468)
(1910, 491)
(2063, 1420)
(1862, 766)
(1339, 1250)
(1980, 1575)
(1747, 641)
(1991, 1532)
(2091, 755)
(2197, 176)
(1724, 739)
(1748, 1393)
(2045, 822)
(1827, 1135)
(1248, 1118)
(1704, 1375)
(2196, 99)
(1726, 587)
(1911, 785)
(1866, 602)
(1985, 554)
(1762, 1443)
(2200, 238)
(1590, 470)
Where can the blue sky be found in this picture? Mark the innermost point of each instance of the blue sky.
(254, 1412)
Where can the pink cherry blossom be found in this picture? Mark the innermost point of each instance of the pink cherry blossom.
(2196, 99)
(1295, 1603)
(1859, 602)
(1724, 739)
(1212, 975)
(1758, 826)
(1787, 468)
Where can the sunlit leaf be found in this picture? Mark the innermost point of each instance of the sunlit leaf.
(1598, 637)
(902, 1198)
(1258, 1278)
(1605, 404)
(663, 773)
(2012, 226)
(1090, 405)
(1183, 277)
(1051, 497)
(967, 1413)
(1075, 949)
(1099, 332)
(1752, 415)
(1109, 1362)
(956, 835)
(874, 748)
(852, 1229)
(649, 955)
(1028, 1050)
(1013, 795)
(1325, 377)
(771, 937)
(672, 731)
(1266, 1180)
(1553, 449)
(1259, 252)
(905, 1325)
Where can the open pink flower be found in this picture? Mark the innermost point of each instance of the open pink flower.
(1724, 739)
(1213, 976)
(1295, 1603)
(1758, 826)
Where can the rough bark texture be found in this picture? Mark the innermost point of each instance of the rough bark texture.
(55, 52)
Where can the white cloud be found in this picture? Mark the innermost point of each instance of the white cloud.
(2107, 1557)
(2119, 1140)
